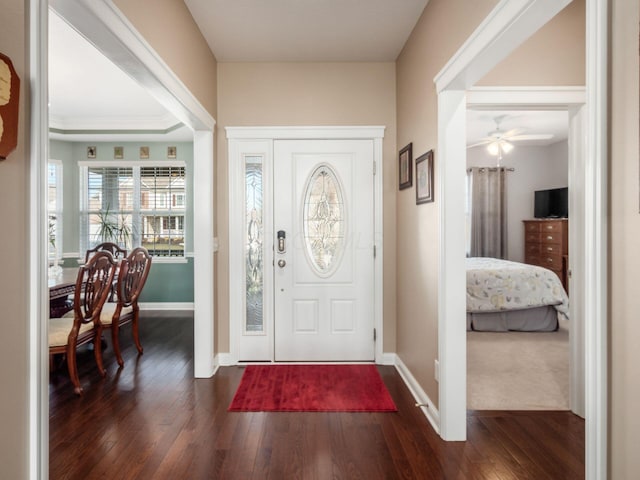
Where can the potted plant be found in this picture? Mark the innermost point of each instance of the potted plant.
(54, 269)
(112, 229)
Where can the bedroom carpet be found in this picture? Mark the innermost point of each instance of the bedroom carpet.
(312, 388)
(518, 370)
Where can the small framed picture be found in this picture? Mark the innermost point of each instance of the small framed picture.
(91, 152)
(405, 175)
(172, 152)
(144, 152)
(424, 178)
(118, 153)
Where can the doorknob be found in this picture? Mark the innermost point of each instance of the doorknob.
(281, 263)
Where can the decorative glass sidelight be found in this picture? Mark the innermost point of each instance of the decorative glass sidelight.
(323, 219)
(254, 321)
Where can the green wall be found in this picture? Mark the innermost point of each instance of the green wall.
(168, 281)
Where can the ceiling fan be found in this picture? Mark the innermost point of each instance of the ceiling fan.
(499, 142)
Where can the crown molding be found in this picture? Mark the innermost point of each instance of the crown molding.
(162, 124)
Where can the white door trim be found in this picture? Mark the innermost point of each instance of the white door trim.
(477, 57)
(577, 148)
(237, 135)
(38, 409)
(107, 28)
(528, 98)
(596, 248)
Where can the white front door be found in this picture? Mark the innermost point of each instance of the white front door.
(323, 227)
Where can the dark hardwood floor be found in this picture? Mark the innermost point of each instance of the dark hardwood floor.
(153, 420)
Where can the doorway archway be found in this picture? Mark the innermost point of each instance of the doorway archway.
(509, 24)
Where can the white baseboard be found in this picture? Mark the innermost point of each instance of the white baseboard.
(388, 359)
(426, 405)
(166, 305)
(224, 359)
(216, 365)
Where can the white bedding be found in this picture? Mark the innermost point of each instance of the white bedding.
(495, 285)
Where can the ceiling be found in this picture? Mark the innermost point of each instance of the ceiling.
(306, 30)
(89, 94)
(93, 100)
(480, 123)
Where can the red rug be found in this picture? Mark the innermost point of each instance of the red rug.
(312, 388)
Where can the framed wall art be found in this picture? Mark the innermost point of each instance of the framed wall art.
(9, 106)
(405, 174)
(424, 178)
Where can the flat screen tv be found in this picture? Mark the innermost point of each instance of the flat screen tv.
(552, 203)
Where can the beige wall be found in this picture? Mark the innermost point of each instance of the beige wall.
(13, 258)
(170, 29)
(269, 94)
(624, 301)
(437, 36)
(543, 58)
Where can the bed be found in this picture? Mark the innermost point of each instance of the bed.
(503, 295)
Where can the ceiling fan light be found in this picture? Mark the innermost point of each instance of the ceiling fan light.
(506, 146)
(493, 148)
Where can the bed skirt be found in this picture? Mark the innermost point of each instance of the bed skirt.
(539, 319)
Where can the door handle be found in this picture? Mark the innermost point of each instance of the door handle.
(281, 263)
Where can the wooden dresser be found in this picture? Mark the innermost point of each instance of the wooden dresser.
(546, 244)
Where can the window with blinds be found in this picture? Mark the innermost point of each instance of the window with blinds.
(133, 205)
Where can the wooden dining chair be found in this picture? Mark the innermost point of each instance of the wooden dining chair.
(82, 324)
(114, 249)
(132, 277)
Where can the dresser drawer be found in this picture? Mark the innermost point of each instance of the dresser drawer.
(532, 227)
(532, 259)
(552, 262)
(546, 245)
(550, 249)
(532, 237)
(532, 249)
(551, 227)
(550, 237)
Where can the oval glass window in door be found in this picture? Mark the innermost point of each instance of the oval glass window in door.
(324, 220)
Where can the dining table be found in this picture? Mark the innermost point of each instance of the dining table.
(61, 285)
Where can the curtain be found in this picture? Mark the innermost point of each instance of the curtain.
(487, 210)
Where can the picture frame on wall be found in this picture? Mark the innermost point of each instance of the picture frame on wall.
(118, 153)
(424, 178)
(91, 151)
(405, 172)
(144, 153)
(172, 152)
